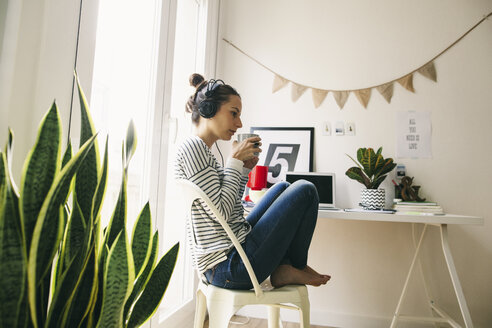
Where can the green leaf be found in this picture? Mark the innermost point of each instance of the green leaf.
(9, 149)
(375, 184)
(75, 237)
(131, 143)
(41, 165)
(142, 279)
(68, 154)
(101, 265)
(79, 304)
(368, 162)
(378, 165)
(141, 239)
(101, 185)
(12, 254)
(152, 295)
(48, 230)
(387, 166)
(361, 154)
(60, 260)
(118, 279)
(66, 158)
(24, 314)
(357, 163)
(118, 219)
(357, 174)
(3, 175)
(42, 297)
(63, 290)
(87, 176)
(10, 141)
(3, 185)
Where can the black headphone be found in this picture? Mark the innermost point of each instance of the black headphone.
(209, 107)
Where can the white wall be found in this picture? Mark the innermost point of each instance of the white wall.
(350, 45)
(36, 67)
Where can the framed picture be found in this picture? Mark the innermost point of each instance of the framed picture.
(285, 150)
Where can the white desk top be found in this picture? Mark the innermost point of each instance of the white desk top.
(429, 219)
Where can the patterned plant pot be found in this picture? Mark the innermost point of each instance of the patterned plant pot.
(372, 198)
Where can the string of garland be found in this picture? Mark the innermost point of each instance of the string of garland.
(363, 95)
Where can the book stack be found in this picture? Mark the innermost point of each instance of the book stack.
(421, 207)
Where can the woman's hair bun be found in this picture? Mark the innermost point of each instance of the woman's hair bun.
(196, 79)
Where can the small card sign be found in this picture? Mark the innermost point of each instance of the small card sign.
(413, 135)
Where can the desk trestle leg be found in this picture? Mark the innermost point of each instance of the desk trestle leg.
(444, 317)
(402, 296)
(454, 277)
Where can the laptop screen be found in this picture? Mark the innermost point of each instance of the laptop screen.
(324, 183)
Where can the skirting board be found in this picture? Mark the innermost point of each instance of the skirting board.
(326, 318)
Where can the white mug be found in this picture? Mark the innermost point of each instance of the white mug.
(243, 136)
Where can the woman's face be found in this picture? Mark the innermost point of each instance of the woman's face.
(227, 120)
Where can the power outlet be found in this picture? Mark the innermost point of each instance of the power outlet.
(326, 130)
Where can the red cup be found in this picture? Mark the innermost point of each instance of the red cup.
(258, 177)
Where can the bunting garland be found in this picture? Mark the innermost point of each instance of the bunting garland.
(319, 96)
(427, 70)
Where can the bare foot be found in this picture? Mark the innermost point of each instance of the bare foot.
(311, 270)
(288, 275)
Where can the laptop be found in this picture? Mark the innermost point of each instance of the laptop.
(324, 183)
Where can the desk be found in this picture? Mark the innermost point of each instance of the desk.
(440, 221)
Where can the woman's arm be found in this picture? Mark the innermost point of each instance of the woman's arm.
(197, 164)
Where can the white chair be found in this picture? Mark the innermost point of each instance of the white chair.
(223, 303)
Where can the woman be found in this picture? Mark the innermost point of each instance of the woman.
(276, 234)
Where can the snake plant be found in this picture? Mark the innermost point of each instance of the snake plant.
(58, 266)
(372, 168)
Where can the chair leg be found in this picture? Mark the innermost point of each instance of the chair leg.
(273, 317)
(219, 314)
(304, 313)
(200, 309)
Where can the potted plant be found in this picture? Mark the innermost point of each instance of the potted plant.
(58, 266)
(371, 170)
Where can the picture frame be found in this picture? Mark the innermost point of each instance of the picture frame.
(285, 149)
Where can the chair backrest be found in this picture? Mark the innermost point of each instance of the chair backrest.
(188, 193)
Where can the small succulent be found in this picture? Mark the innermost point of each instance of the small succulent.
(372, 168)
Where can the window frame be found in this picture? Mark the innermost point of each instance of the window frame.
(206, 62)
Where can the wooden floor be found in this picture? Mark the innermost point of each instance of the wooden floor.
(258, 323)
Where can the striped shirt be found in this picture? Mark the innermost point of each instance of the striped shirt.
(224, 186)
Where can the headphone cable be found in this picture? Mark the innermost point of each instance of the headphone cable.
(221, 157)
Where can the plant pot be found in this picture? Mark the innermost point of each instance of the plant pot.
(372, 198)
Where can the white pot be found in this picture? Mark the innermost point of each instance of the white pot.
(372, 198)
(256, 195)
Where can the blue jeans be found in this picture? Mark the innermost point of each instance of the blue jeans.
(282, 223)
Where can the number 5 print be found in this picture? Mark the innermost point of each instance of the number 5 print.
(280, 158)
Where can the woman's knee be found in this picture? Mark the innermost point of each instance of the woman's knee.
(282, 185)
(306, 188)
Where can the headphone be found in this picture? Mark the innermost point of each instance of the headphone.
(208, 107)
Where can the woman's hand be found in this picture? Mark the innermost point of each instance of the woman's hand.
(250, 163)
(244, 151)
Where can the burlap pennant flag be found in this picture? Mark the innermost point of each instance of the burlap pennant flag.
(407, 82)
(341, 97)
(297, 91)
(363, 95)
(386, 90)
(429, 71)
(278, 83)
(319, 96)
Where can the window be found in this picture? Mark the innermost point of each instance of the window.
(123, 86)
(145, 52)
(186, 49)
